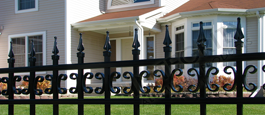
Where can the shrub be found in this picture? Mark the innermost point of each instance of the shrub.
(221, 81)
(40, 85)
(3, 86)
(185, 82)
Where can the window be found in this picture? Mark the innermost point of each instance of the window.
(228, 40)
(179, 48)
(150, 55)
(22, 48)
(22, 6)
(208, 34)
(112, 4)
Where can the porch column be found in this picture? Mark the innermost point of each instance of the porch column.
(261, 48)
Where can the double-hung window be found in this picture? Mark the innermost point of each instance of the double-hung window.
(112, 4)
(229, 30)
(207, 26)
(150, 53)
(179, 49)
(22, 48)
(22, 6)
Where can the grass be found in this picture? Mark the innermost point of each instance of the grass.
(145, 109)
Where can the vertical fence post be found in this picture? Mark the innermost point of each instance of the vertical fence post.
(107, 55)
(167, 80)
(239, 79)
(55, 59)
(136, 80)
(11, 62)
(201, 42)
(79, 89)
(32, 60)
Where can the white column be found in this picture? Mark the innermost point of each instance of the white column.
(118, 56)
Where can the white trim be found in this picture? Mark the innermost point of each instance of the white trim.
(43, 33)
(129, 5)
(26, 10)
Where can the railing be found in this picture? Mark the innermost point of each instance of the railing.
(135, 76)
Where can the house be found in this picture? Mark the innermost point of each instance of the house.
(40, 20)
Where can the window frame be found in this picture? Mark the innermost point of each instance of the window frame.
(129, 5)
(145, 55)
(17, 11)
(179, 30)
(223, 28)
(43, 33)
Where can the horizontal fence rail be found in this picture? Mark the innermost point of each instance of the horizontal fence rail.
(136, 87)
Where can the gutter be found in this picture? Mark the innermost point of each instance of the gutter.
(173, 17)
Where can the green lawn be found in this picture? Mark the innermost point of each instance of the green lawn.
(216, 109)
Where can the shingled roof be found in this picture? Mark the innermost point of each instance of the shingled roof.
(122, 14)
(194, 5)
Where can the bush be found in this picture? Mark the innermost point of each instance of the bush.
(3, 86)
(185, 82)
(221, 81)
(40, 85)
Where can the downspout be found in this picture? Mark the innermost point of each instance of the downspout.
(141, 39)
(260, 63)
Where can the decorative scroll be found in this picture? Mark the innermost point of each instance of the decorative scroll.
(180, 72)
(207, 79)
(162, 74)
(191, 74)
(228, 84)
(245, 78)
(100, 90)
(115, 75)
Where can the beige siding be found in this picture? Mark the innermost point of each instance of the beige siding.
(49, 17)
(159, 38)
(93, 44)
(251, 42)
(126, 54)
(156, 4)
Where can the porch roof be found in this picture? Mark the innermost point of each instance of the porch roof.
(195, 5)
(122, 14)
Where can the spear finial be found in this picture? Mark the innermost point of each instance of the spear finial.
(239, 34)
(201, 39)
(32, 52)
(80, 47)
(136, 43)
(55, 50)
(107, 45)
(11, 53)
(167, 40)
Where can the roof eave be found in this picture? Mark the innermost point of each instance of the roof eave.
(176, 16)
(103, 22)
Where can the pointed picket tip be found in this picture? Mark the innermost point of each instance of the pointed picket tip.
(11, 53)
(55, 50)
(167, 40)
(239, 34)
(201, 38)
(80, 47)
(136, 43)
(107, 45)
(32, 51)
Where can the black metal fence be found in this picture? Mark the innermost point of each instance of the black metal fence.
(135, 76)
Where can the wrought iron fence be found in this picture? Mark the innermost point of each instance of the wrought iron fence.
(136, 76)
